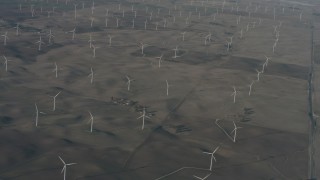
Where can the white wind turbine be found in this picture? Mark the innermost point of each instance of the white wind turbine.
(92, 7)
(49, 12)
(129, 82)
(157, 24)
(6, 63)
(258, 75)
(90, 40)
(54, 101)
(106, 22)
(5, 36)
(234, 94)
(229, 45)
(50, 35)
(17, 29)
(91, 75)
(73, 33)
(233, 139)
(117, 22)
(274, 47)
(235, 131)
(55, 69)
(205, 40)
(91, 121)
(263, 67)
(204, 178)
(183, 34)
(250, 87)
(241, 33)
(39, 42)
(212, 156)
(145, 24)
(231, 39)
(91, 21)
(94, 50)
(64, 169)
(267, 61)
(143, 116)
(142, 45)
(175, 52)
(167, 87)
(37, 114)
(110, 40)
(160, 59)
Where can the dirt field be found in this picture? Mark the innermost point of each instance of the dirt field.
(272, 143)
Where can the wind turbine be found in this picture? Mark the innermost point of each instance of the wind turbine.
(142, 45)
(212, 156)
(167, 87)
(267, 61)
(94, 50)
(110, 40)
(274, 47)
(129, 82)
(263, 67)
(50, 35)
(17, 29)
(49, 12)
(258, 75)
(39, 42)
(6, 62)
(55, 69)
(117, 21)
(234, 94)
(231, 38)
(204, 178)
(241, 33)
(92, 7)
(145, 24)
(183, 33)
(160, 59)
(235, 131)
(91, 75)
(229, 45)
(143, 116)
(91, 121)
(54, 101)
(73, 33)
(5, 35)
(205, 40)
(64, 169)
(250, 87)
(90, 40)
(175, 52)
(91, 19)
(37, 114)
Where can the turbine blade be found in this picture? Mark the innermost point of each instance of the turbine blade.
(63, 169)
(61, 160)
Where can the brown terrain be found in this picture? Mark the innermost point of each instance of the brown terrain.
(278, 138)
